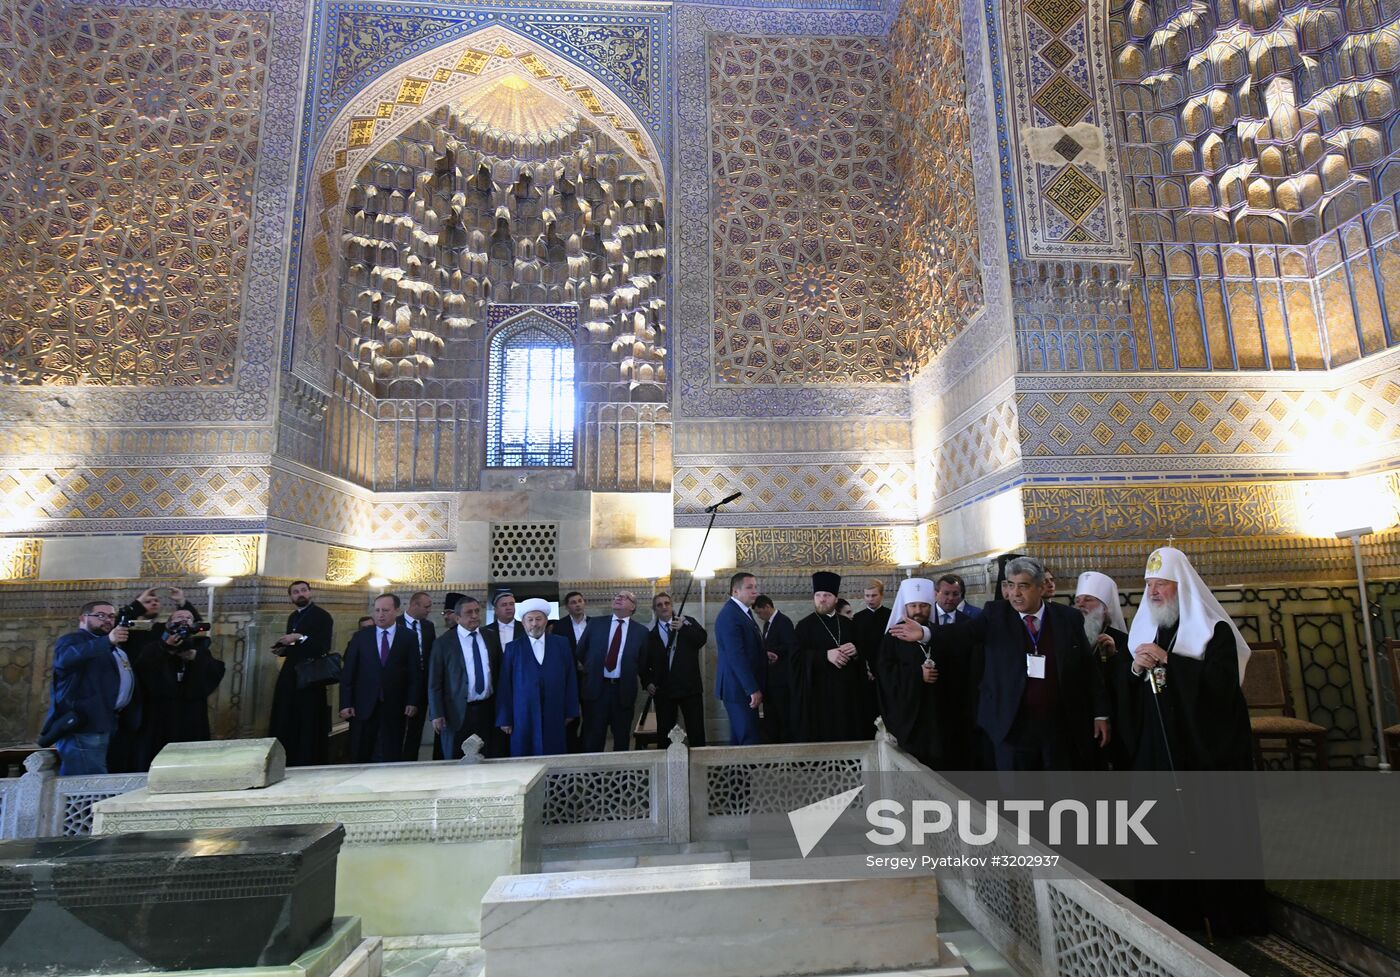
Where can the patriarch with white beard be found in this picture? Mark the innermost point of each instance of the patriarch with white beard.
(1185, 711)
(1188, 654)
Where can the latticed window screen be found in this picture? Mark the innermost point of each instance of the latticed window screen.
(530, 404)
(524, 550)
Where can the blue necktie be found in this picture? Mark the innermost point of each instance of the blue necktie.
(479, 680)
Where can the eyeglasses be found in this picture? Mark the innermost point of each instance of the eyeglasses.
(102, 615)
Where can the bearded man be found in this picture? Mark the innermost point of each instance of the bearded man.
(1096, 597)
(1188, 713)
(1188, 656)
(538, 691)
(909, 675)
(830, 675)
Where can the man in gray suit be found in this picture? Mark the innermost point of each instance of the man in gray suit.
(462, 674)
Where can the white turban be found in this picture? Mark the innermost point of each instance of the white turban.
(912, 590)
(1200, 611)
(1101, 585)
(533, 604)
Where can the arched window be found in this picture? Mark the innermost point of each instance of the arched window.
(530, 396)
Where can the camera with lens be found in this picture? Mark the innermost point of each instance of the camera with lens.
(183, 631)
(133, 621)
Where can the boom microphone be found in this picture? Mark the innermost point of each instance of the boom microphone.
(724, 501)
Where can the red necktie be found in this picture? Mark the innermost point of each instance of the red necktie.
(615, 648)
(383, 647)
(1030, 624)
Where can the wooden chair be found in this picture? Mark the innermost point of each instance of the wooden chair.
(1392, 733)
(1266, 687)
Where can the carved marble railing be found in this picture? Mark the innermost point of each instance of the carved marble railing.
(727, 783)
(1073, 926)
(1061, 927)
(41, 804)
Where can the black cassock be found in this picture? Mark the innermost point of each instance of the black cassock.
(176, 704)
(870, 635)
(833, 704)
(1202, 710)
(1206, 725)
(914, 709)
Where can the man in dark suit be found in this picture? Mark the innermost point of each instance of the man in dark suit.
(611, 654)
(779, 645)
(415, 619)
(671, 672)
(741, 665)
(93, 682)
(1041, 697)
(463, 673)
(301, 717)
(948, 600)
(505, 625)
(571, 628)
(379, 687)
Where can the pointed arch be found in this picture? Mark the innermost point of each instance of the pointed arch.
(391, 104)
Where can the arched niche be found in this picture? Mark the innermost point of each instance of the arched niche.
(394, 102)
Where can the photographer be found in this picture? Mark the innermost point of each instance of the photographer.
(142, 618)
(177, 673)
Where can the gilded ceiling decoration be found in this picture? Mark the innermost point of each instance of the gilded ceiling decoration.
(803, 204)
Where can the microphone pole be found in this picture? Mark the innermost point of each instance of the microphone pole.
(679, 616)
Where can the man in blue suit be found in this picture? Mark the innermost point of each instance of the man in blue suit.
(742, 665)
(94, 687)
(379, 687)
(611, 655)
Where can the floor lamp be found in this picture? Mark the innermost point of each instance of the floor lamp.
(1355, 536)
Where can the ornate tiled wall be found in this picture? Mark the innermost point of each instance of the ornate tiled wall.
(179, 272)
(128, 196)
(1257, 187)
(145, 162)
(1198, 424)
(1069, 195)
(808, 187)
(940, 258)
(802, 205)
(313, 505)
(132, 498)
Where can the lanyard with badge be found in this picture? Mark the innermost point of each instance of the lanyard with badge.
(1035, 661)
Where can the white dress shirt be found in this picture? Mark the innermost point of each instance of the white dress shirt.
(471, 661)
(747, 612)
(616, 670)
(416, 627)
(537, 646)
(663, 631)
(507, 632)
(578, 627)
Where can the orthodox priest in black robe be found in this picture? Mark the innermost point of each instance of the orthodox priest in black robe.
(831, 679)
(1186, 711)
(871, 621)
(1096, 597)
(915, 712)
